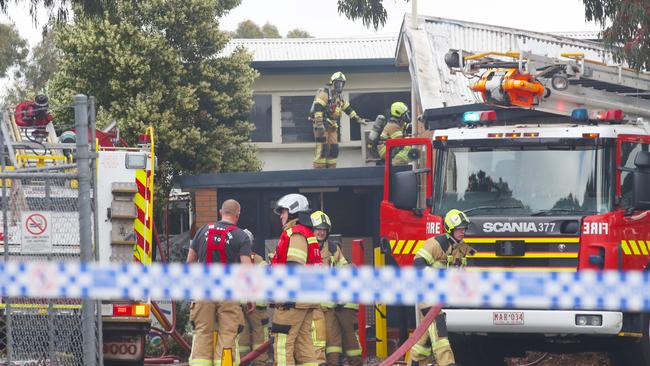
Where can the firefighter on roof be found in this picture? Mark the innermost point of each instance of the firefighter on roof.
(222, 242)
(326, 115)
(292, 322)
(342, 319)
(443, 251)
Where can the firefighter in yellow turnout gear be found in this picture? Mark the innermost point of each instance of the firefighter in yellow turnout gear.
(256, 321)
(342, 320)
(397, 125)
(443, 251)
(326, 113)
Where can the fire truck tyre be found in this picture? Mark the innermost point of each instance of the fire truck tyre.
(634, 351)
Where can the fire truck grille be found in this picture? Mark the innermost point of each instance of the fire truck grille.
(524, 253)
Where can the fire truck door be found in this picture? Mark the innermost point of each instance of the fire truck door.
(407, 197)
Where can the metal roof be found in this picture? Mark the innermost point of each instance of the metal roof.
(423, 50)
(302, 49)
(340, 177)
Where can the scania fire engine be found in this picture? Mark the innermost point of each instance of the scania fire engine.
(557, 181)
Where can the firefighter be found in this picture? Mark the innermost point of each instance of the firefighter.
(342, 320)
(443, 251)
(256, 325)
(397, 126)
(222, 242)
(326, 114)
(291, 326)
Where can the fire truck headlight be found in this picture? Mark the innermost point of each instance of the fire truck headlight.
(136, 161)
(591, 320)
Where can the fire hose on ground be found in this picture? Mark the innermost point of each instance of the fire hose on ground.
(419, 331)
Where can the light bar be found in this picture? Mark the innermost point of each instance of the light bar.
(488, 116)
(614, 115)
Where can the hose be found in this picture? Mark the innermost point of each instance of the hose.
(536, 361)
(250, 356)
(419, 331)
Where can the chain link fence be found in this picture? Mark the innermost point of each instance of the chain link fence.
(46, 217)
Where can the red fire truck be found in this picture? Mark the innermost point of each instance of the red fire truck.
(546, 189)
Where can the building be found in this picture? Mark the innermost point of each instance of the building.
(291, 70)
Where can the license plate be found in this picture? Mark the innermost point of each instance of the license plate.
(123, 347)
(508, 318)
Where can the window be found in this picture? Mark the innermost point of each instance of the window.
(405, 158)
(629, 150)
(369, 105)
(260, 116)
(296, 126)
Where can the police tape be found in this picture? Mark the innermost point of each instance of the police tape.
(628, 291)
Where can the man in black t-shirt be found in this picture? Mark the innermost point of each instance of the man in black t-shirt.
(228, 316)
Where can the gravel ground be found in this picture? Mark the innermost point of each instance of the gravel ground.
(554, 359)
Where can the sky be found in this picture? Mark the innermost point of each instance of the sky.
(321, 19)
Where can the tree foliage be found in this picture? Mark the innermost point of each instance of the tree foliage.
(158, 63)
(298, 33)
(13, 48)
(270, 31)
(248, 29)
(369, 11)
(36, 72)
(626, 28)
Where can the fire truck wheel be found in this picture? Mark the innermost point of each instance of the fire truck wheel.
(635, 351)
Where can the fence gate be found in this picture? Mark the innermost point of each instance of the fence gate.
(46, 217)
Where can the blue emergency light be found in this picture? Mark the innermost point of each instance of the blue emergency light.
(579, 115)
(471, 117)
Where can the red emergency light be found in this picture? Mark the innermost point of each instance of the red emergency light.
(144, 138)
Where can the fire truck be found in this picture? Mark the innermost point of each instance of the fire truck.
(123, 203)
(553, 168)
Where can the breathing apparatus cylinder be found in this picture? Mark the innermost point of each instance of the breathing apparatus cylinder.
(376, 128)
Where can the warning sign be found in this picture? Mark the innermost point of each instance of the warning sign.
(37, 233)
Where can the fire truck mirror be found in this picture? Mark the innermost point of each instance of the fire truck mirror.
(404, 190)
(642, 181)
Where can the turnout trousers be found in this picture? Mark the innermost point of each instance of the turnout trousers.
(256, 332)
(292, 341)
(226, 319)
(434, 341)
(342, 335)
(327, 148)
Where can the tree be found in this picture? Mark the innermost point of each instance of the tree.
(158, 63)
(248, 29)
(626, 28)
(270, 31)
(60, 8)
(13, 48)
(298, 33)
(369, 11)
(37, 71)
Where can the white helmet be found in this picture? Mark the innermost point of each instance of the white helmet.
(294, 202)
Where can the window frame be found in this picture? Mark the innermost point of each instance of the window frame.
(636, 139)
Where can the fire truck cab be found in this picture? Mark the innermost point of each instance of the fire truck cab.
(544, 193)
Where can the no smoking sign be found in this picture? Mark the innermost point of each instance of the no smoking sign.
(36, 233)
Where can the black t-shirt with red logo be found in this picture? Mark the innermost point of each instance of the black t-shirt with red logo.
(237, 242)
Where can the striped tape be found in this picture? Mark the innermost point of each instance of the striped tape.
(626, 291)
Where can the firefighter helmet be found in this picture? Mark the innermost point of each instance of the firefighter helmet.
(293, 202)
(455, 219)
(337, 81)
(398, 109)
(320, 220)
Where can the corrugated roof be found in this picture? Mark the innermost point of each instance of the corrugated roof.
(423, 50)
(301, 49)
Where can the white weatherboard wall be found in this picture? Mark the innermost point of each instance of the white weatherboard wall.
(277, 156)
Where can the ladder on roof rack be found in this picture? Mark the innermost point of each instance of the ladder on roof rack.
(569, 82)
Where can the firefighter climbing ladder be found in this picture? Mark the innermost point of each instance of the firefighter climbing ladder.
(572, 81)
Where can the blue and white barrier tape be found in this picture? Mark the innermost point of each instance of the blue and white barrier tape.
(629, 291)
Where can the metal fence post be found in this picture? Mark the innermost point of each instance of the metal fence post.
(85, 222)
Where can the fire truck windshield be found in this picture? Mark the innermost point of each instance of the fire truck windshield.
(525, 180)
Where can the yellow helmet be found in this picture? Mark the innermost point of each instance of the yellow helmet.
(455, 219)
(320, 220)
(398, 109)
(337, 76)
